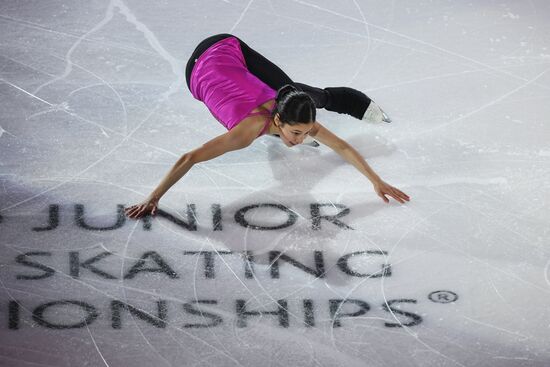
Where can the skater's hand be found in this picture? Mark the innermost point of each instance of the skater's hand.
(383, 189)
(150, 205)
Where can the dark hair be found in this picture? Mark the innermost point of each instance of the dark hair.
(294, 106)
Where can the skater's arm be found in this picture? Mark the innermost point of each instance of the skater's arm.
(351, 155)
(239, 137)
(343, 149)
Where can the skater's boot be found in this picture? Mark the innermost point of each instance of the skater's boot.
(375, 114)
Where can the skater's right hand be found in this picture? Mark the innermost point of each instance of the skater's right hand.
(150, 205)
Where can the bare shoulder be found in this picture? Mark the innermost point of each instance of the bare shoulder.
(315, 129)
(252, 126)
(249, 128)
(266, 107)
(269, 105)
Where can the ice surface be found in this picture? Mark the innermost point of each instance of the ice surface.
(95, 111)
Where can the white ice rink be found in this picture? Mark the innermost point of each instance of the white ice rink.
(272, 256)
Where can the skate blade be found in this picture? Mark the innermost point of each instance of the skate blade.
(310, 141)
(312, 144)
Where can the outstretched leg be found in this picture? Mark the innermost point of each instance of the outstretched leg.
(319, 96)
(265, 70)
(346, 100)
(275, 77)
(339, 99)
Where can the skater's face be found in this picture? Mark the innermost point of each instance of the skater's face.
(294, 134)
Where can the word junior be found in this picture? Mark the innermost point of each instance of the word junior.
(275, 216)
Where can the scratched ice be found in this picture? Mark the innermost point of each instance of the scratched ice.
(270, 255)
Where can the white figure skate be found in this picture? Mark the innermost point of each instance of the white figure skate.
(375, 114)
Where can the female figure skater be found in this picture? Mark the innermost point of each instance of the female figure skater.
(251, 97)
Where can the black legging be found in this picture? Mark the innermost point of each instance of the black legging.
(339, 99)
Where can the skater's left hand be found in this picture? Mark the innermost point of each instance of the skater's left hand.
(382, 189)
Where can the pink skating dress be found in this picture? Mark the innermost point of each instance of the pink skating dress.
(221, 80)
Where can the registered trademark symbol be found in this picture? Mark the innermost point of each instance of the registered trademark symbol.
(443, 296)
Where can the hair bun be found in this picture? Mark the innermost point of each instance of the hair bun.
(294, 106)
(284, 91)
